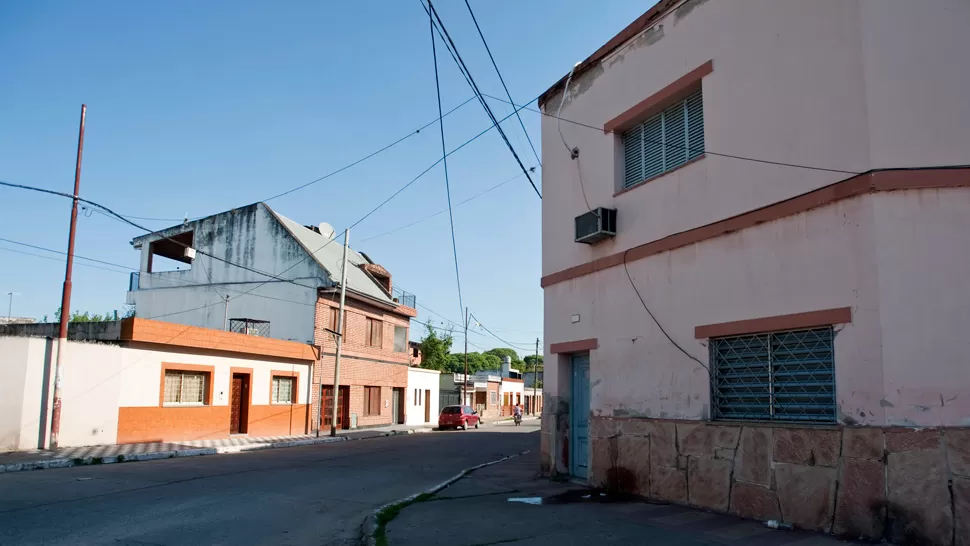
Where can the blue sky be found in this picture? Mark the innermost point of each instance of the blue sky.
(198, 107)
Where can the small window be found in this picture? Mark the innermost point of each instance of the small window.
(400, 339)
(372, 401)
(189, 388)
(375, 332)
(334, 318)
(493, 397)
(781, 376)
(283, 389)
(665, 141)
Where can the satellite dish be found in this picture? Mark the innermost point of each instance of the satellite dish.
(326, 230)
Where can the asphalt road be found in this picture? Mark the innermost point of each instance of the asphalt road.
(304, 495)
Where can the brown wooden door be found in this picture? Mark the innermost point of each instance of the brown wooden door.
(239, 404)
(427, 406)
(343, 410)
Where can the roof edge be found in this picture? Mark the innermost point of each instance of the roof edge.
(659, 9)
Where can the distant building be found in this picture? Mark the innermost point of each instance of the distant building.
(16, 320)
(282, 281)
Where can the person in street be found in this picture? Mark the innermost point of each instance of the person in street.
(517, 413)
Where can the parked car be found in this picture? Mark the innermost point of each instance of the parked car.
(458, 417)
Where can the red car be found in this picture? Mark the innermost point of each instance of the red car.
(458, 416)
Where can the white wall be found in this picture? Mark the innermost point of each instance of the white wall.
(13, 370)
(98, 378)
(249, 237)
(421, 379)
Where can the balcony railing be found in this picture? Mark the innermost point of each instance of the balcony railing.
(404, 298)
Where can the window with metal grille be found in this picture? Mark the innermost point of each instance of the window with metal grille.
(372, 401)
(782, 376)
(665, 141)
(375, 332)
(190, 388)
(283, 389)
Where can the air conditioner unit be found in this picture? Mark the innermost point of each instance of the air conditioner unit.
(189, 252)
(595, 225)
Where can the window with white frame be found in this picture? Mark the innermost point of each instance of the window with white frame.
(283, 389)
(188, 388)
(665, 141)
(778, 376)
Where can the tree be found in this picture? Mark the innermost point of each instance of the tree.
(477, 362)
(499, 352)
(435, 349)
(529, 363)
(78, 316)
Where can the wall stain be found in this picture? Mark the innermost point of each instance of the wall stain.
(684, 10)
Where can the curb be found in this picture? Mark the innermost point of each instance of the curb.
(65, 462)
(369, 527)
(170, 454)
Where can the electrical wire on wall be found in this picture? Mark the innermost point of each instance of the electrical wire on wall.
(655, 321)
(573, 151)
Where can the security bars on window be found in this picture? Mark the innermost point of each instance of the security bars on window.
(185, 387)
(665, 141)
(282, 390)
(782, 376)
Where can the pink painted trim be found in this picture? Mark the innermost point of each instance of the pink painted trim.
(825, 317)
(659, 100)
(574, 346)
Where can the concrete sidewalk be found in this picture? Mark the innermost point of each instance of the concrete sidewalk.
(15, 461)
(476, 511)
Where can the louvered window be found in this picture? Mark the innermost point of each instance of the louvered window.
(665, 141)
(782, 376)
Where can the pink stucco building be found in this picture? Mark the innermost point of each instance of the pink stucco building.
(792, 206)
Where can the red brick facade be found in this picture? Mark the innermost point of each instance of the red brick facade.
(362, 365)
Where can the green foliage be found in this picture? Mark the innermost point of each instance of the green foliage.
(499, 352)
(77, 316)
(435, 349)
(476, 362)
(530, 362)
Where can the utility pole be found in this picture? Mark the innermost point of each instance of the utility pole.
(66, 294)
(225, 321)
(535, 379)
(10, 305)
(464, 400)
(340, 336)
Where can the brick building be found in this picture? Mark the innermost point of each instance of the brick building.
(374, 360)
(187, 272)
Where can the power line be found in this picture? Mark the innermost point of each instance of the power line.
(58, 260)
(272, 276)
(501, 79)
(372, 154)
(444, 159)
(453, 49)
(687, 148)
(512, 345)
(442, 211)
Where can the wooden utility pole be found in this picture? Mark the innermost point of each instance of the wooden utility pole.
(66, 293)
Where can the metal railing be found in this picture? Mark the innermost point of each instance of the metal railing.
(404, 298)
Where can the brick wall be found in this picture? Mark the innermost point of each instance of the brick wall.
(361, 366)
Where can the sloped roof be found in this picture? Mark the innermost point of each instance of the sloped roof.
(329, 255)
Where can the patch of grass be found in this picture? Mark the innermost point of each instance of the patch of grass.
(77, 461)
(97, 460)
(121, 458)
(388, 513)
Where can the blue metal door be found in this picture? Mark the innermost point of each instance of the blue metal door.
(579, 417)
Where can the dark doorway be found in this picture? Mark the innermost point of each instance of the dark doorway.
(397, 406)
(427, 405)
(239, 404)
(343, 409)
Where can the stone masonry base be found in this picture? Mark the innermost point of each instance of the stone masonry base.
(908, 486)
